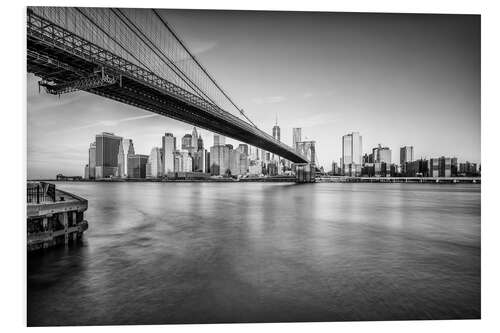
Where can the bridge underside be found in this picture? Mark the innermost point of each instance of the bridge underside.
(64, 69)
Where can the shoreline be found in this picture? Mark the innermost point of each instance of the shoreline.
(340, 179)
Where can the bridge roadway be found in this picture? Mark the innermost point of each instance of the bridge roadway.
(66, 62)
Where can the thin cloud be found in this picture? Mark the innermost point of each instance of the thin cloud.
(115, 122)
(269, 100)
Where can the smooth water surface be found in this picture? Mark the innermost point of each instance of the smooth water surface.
(159, 253)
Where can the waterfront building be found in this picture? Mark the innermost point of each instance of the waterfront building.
(177, 161)
(255, 168)
(168, 149)
(154, 166)
(335, 168)
(417, 168)
(92, 159)
(434, 167)
(107, 148)
(126, 148)
(352, 147)
(234, 162)
(201, 160)
(405, 156)
(468, 169)
(382, 155)
(219, 160)
(136, 165)
(186, 162)
(243, 164)
(297, 136)
(86, 172)
(272, 168)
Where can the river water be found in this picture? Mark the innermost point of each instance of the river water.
(159, 253)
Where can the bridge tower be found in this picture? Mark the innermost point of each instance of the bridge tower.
(305, 172)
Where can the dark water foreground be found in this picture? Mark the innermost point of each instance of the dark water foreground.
(159, 253)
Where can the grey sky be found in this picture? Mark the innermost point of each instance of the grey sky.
(397, 79)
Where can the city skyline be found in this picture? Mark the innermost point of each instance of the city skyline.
(429, 99)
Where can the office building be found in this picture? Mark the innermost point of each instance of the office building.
(468, 169)
(92, 160)
(154, 166)
(382, 155)
(201, 160)
(136, 165)
(418, 168)
(335, 168)
(219, 160)
(434, 167)
(186, 162)
(126, 148)
(234, 162)
(405, 156)
(107, 148)
(168, 149)
(352, 147)
(86, 172)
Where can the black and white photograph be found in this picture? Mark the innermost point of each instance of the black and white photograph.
(231, 166)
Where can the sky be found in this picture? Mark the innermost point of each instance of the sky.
(397, 79)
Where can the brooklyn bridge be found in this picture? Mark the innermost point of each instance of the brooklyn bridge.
(134, 56)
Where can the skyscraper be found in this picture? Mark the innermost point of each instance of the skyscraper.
(186, 162)
(405, 156)
(352, 147)
(126, 148)
(276, 130)
(107, 147)
(234, 161)
(200, 143)
(154, 167)
(382, 155)
(168, 149)
(92, 156)
(297, 136)
(194, 136)
(219, 159)
(277, 136)
(136, 165)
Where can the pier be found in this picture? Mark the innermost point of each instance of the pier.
(53, 216)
